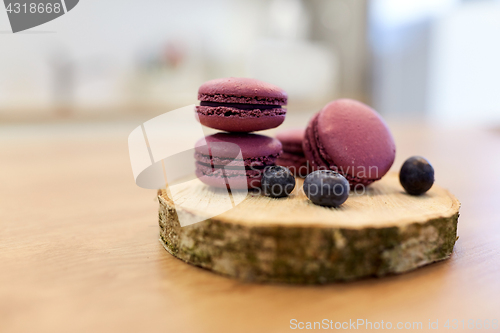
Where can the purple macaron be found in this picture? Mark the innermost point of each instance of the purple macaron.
(351, 138)
(235, 160)
(293, 154)
(241, 105)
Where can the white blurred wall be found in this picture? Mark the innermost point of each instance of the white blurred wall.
(100, 42)
(103, 56)
(437, 60)
(465, 66)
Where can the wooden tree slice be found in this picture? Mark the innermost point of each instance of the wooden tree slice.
(292, 240)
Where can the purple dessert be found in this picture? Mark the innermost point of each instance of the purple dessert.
(349, 137)
(235, 160)
(241, 105)
(293, 155)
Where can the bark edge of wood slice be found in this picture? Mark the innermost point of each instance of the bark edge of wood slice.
(291, 240)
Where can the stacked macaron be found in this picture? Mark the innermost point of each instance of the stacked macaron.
(351, 138)
(293, 154)
(236, 158)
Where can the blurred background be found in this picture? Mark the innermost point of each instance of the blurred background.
(427, 60)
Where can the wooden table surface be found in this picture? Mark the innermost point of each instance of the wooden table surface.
(79, 248)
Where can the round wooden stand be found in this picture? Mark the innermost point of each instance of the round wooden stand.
(291, 240)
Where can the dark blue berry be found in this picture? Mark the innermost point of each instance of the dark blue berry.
(277, 181)
(326, 188)
(416, 175)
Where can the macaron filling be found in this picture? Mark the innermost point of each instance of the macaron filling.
(260, 100)
(239, 110)
(241, 106)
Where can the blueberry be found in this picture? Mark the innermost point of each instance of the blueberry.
(326, 188)
(416, 175)
(277, 181)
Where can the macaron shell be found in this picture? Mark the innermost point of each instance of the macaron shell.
(241, 123)
(255, 162)
(295, 158)
(226, 145)
(310, 148)
(233, 179)
(352, 136)
(292, 139)
(296, 163)
(242, 90)
(314, 153)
